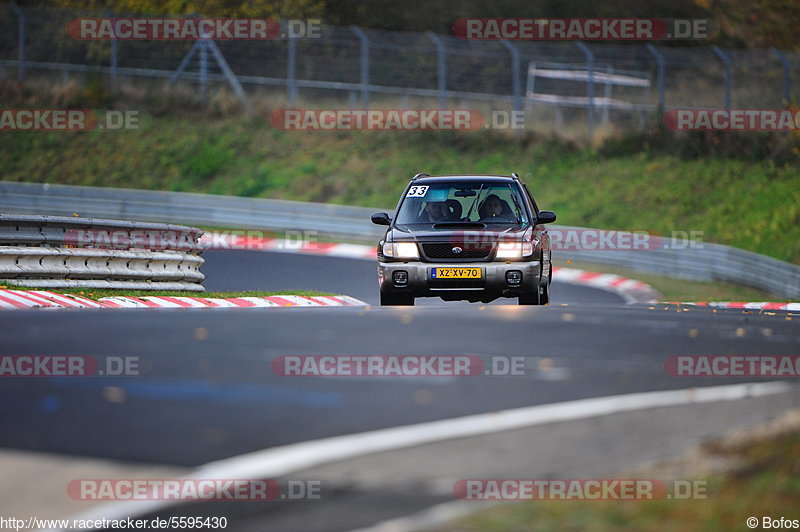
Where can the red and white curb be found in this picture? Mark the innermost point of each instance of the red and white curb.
(24, 299)
(742, 305)
(631, 290)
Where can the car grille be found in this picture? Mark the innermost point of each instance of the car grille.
(456, 283)
(439, 251)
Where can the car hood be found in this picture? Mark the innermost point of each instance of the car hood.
(431, 233)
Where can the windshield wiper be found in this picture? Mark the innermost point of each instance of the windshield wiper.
(517, 205)
(477, 197)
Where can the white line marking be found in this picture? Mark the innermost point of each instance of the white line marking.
(280, 461)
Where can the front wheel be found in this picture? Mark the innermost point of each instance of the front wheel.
(392, 300)
(544, 294)
(542, 297)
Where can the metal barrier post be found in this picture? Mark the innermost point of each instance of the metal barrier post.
(442, 54)
(113, 74)
(726, 61)
(590, 86)
(233, 81)
(21, 41)
(203, 70)
(184, 63)
(364, 65)
(607, 95)
(515, 77)
(660, 64)
(291, 84)
(787, 79)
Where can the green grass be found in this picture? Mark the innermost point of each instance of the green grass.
(748, 202)
(95, 294)
(677, 289)
(766, 483)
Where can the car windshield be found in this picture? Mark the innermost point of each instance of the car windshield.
(489, 203)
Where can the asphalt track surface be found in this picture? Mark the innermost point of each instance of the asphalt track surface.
(206, 389)
(249, 270)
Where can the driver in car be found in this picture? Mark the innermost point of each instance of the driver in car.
(437, 211)
(492, 209)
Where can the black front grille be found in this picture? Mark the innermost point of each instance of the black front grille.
(468, 251)
(456, 283)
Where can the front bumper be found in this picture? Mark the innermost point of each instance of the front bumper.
(492, 285)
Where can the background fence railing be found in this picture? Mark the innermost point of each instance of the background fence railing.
(707, 262)
(361, 68)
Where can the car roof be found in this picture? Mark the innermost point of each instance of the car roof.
(430, 180)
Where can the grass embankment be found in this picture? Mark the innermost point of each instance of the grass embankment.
(766, 482)
(678, 289)
(739, 196)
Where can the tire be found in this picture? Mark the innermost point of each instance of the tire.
(542, 297)
(529, 299)
(392, 300)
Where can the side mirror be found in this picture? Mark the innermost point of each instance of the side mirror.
(546, 217)
(381, 218)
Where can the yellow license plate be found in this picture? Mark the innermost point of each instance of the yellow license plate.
(456, 273)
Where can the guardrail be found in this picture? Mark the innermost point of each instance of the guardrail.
(188, 208)
(705, 262)
(60, 252)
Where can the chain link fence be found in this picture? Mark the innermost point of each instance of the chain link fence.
(557, 84)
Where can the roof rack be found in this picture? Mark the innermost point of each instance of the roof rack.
(515, 175)
(421, 174)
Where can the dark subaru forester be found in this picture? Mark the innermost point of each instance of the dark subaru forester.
(474, 238)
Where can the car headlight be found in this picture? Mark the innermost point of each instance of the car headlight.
(401, 250)
(514, 250)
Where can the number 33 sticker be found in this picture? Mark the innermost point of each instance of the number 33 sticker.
(417, 192)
